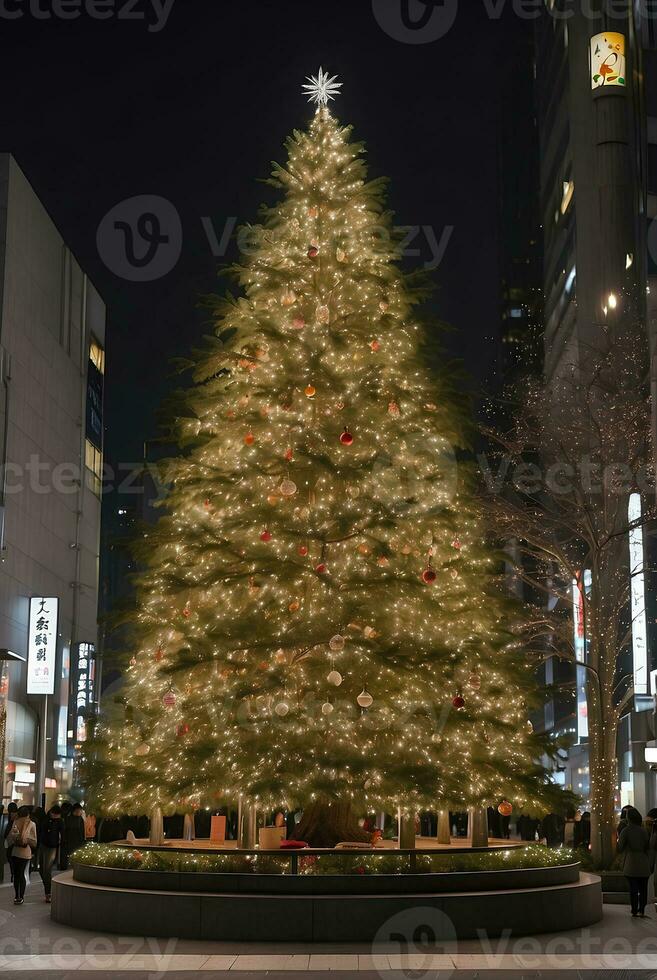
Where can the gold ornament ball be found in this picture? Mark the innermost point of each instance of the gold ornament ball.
(336, 643)
(335, 678)
(365, 699)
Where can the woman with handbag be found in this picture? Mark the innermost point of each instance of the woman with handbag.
(22, 838)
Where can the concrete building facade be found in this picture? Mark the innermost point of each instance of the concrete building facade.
(596, 82)
(52, 362)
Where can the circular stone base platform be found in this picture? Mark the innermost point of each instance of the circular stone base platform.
(252, 915)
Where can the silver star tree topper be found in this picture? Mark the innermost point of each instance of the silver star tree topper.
(322, 88)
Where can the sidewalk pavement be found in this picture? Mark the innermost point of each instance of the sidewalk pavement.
(618, 946)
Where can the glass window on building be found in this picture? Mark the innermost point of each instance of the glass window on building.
(97, 355)
(94, 464)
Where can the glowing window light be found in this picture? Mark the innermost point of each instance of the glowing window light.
(568, 192)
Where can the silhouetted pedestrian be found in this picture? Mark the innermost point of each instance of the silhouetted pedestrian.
(634, 845)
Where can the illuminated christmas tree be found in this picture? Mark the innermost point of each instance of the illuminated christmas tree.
(320, 618)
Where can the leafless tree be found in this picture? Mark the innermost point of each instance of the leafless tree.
(558, 484)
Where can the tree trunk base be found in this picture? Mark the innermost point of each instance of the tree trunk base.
(328, 824)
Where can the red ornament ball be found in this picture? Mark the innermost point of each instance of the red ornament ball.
(249, 439)
(321, 569)
(265, 536)
(303, 551)
(298, 323)
(346, 438)
(182, 730)
(429, 576)
(313, 252)
(505, 809)
(458, 702)
(187, 612)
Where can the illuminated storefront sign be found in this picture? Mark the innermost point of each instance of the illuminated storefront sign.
(638, 592)
(83, 675)
(608, 60)
(581, 652)
(42, 646)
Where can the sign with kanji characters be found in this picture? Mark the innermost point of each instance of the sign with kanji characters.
(82, 686)
(42, 646)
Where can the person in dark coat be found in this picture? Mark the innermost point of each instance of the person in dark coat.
(585, 831)
(634, 845)
(62, 859)
(12, 813)
(50, 841)
(552, 829)
(39, 817)
(74, 830)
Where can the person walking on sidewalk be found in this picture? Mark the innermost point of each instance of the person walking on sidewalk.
(52, 839)
(22, 838)
(634, 844)
(12, 813)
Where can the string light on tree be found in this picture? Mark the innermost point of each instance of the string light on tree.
(328, 519)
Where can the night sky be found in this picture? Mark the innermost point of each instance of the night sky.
(99, 111)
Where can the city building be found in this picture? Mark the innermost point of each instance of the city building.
(52, 363)
(520, 236)
(129, 511)
(596, 83)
